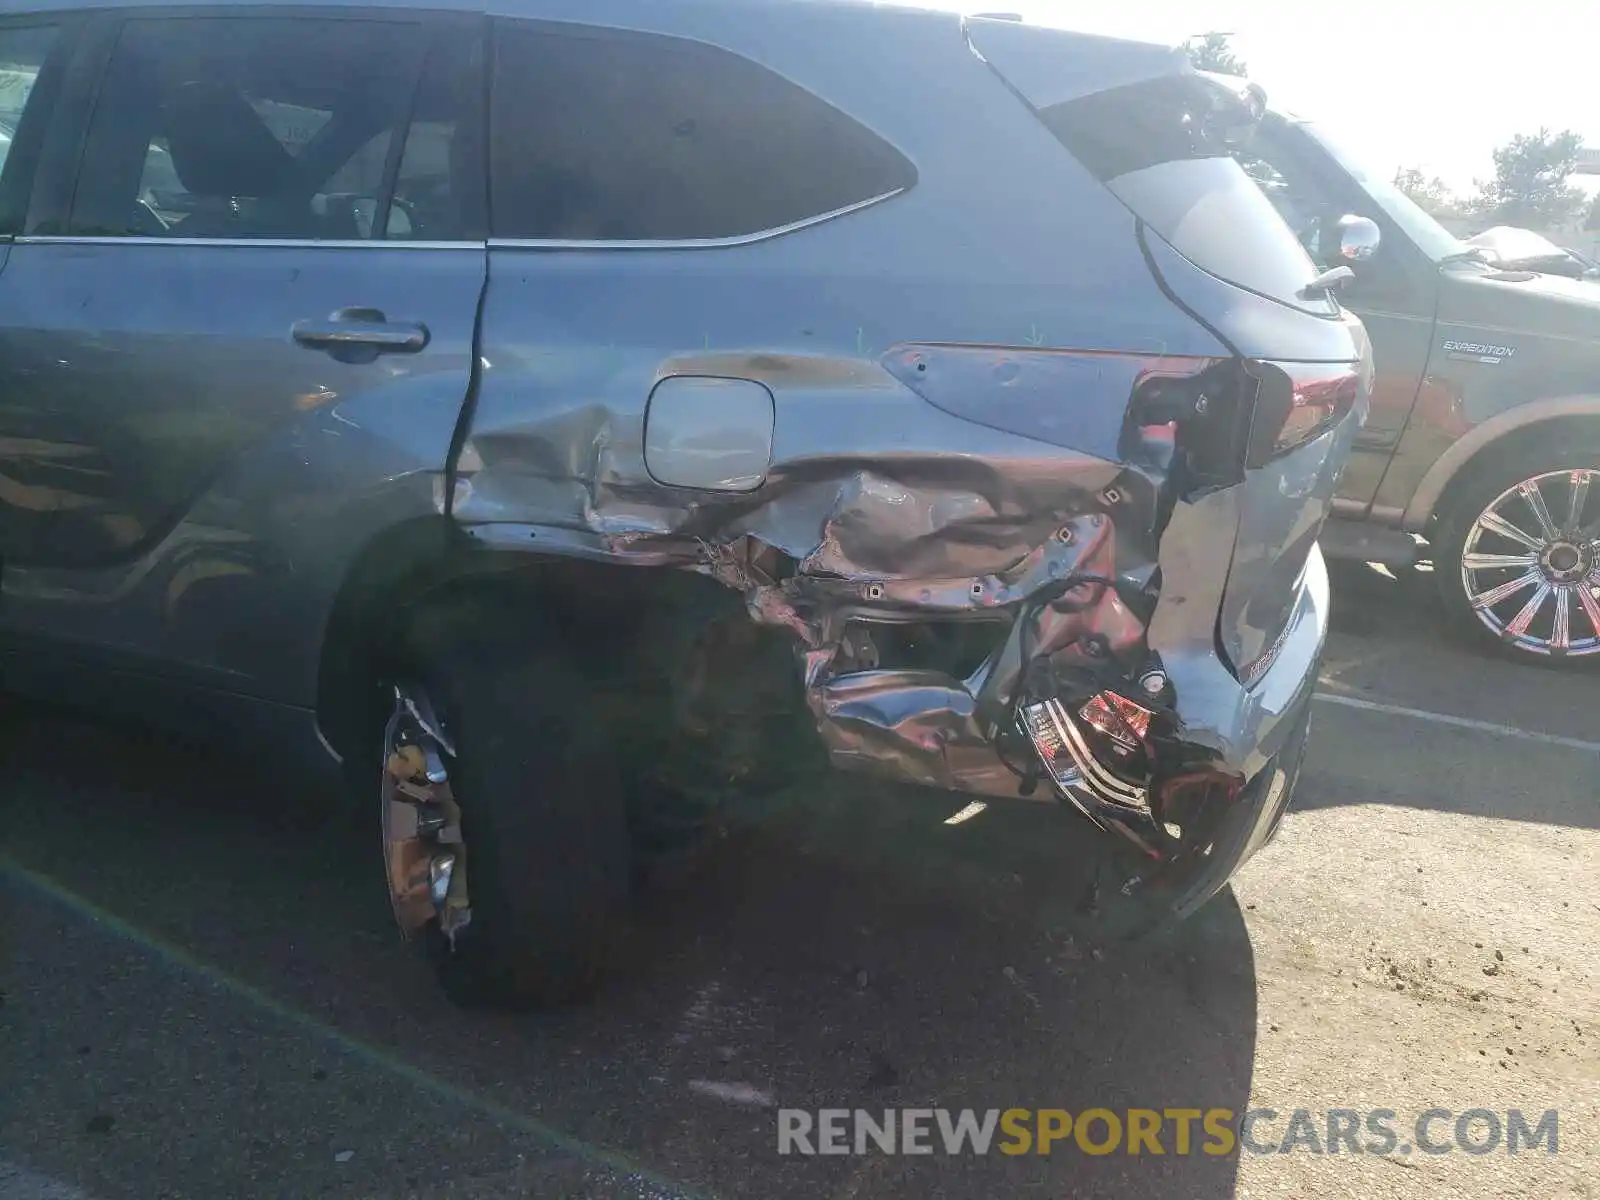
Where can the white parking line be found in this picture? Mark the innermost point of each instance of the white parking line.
(611, 1168)
(1419, 714)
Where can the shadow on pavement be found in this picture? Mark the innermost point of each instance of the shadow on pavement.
(207, 998)
(1402, 605)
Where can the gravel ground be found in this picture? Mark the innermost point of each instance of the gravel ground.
(204, 996)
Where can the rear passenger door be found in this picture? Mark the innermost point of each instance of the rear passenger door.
(234, 217)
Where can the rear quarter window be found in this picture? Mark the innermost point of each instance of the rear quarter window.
(602, 135)
(1162, 147)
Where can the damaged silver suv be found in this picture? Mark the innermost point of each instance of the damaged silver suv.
(544, 411)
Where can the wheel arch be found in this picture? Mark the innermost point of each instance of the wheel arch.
(405, 559)
(622, 608)
(1514, 427)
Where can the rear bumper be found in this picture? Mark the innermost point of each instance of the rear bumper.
(1264, 730)
(1244, 718)
(924, 728)
(1258, 813)
(1253, 733)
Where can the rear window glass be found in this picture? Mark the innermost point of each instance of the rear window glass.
(1163, 148)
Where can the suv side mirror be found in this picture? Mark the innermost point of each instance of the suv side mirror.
(1352, 239)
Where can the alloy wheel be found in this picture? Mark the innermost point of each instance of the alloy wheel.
(1530, 564)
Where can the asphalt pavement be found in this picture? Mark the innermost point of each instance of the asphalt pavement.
(204, 995)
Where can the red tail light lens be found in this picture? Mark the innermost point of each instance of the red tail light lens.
(1298, 402)
(1119, 719)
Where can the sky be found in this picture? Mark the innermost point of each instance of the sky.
(1400, 82)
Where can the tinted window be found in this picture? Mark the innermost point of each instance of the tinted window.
(247, 127)
(441, 179)
(609, 136)
(22, 56)
(1164, 148)
(1294, 204)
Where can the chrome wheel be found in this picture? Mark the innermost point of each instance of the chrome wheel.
(1530, 564)
(421, 822)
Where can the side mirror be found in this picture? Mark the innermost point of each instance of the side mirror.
(1354, 239)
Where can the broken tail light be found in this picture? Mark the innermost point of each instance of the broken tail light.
(1298, 402)
(1119, 720)
(1092, 747)
(1170, 810)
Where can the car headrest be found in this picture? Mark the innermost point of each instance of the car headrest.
(221, 147)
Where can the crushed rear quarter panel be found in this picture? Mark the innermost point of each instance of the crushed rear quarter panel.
(876, 502)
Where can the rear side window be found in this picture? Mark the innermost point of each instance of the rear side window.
(23, 51)
(611, 136)
(439, 183)
(1163, 148)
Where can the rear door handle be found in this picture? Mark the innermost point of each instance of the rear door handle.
(360, 335)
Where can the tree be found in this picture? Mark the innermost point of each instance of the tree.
(1432, 195)
(1594, 214)
(1530, 185)
(1213, 52)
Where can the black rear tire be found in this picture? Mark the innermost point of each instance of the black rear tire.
(543, 806)
(1495, 476)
